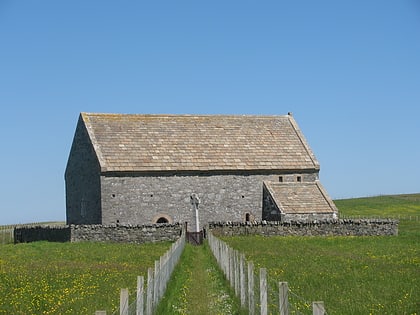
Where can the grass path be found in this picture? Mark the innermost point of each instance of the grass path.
(198, 287)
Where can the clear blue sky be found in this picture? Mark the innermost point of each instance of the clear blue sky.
(348, 70)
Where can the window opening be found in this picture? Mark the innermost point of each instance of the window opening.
(299, 178)
(281, 179)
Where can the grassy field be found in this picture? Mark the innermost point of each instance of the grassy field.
(395, 206)
(70, 278)
(352, 275)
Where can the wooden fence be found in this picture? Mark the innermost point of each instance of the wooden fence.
(6, 234)
(147, 297)
(254, 290)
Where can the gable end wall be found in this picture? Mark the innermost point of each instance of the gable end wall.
(82, 178)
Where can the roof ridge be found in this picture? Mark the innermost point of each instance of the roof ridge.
(184, 115)
(270, 182)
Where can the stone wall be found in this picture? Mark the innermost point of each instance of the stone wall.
(171, 232)
(126, 234)
(99, 233)
(25, 234)
(224, 197)
(348, 227)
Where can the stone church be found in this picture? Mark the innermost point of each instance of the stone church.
(131, 169)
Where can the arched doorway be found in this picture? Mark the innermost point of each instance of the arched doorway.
(162, 220)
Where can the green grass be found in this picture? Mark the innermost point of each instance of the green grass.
(197, 286)
(405, 208)
(352, 275)
(395, 206)
(70, 278)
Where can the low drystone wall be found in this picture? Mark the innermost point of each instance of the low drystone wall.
(126, 233)
(25, 234)
(99, 233)
(171, 232)
(347, 227)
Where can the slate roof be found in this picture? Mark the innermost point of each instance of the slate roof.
(298, 197)
(131, 142)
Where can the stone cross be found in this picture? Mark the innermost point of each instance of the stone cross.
(195, 201)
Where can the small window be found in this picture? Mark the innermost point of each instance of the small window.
(281, 179)
(299, 179)
(247, 217)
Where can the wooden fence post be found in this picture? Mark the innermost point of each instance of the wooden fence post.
(236, 266)
(124, 302)
(227, 261)
(263, 291)
(251, 303)
(242, 285)
(156, 281)
(231, 268)
(318, 308)
(283, 298)
(149, 296)
(140, 295)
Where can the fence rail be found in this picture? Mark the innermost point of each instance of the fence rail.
(148, 296)
(256, 292)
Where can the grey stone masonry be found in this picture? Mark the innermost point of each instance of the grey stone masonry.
(99, 233)
(171, 232)
(126, 234)
(145, 199)
(346, 227)
(26, 234)
(83, 195)
(142, 169)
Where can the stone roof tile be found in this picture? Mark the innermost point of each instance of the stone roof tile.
(308, 197)
(203, 142)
